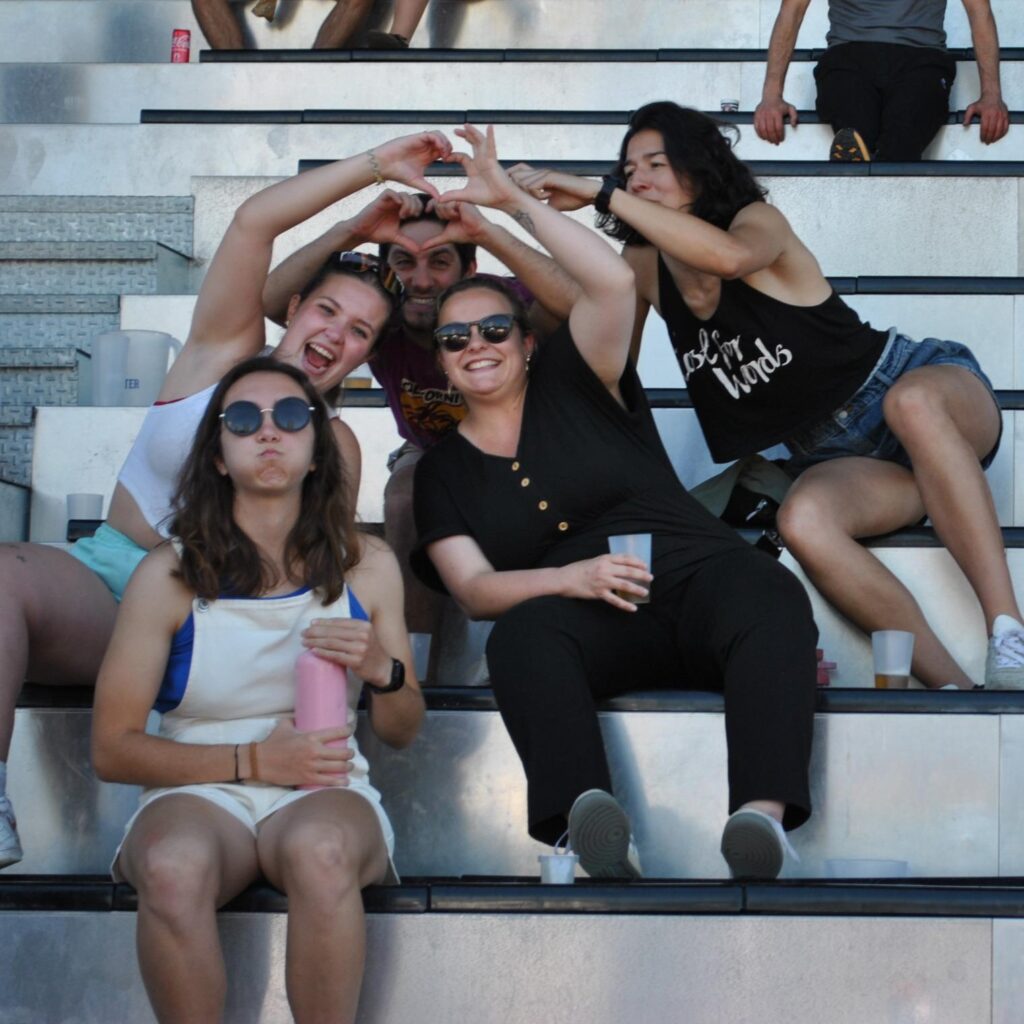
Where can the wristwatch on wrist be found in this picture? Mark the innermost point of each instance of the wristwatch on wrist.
(396, 682)
(609, 183)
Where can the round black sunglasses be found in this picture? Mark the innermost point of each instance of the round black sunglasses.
(289, 414)
(494, 329)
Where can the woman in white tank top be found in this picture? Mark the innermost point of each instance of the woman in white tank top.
(57, 610)
(264, 553)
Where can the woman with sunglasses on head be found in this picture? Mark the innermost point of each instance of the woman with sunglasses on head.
(264, 563)
(57, 609)
(557, 452)
(883, 430)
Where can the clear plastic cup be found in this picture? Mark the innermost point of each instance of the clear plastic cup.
(893, 652)
(558, 868)
(638, 545)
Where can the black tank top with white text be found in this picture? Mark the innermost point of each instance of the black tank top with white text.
(758, 370)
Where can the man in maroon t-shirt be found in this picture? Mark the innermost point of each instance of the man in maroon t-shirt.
(404, 361)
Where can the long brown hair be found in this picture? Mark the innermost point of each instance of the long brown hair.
(217, 556)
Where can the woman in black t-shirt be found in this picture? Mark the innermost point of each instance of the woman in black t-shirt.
(558, 451)
(883, 430)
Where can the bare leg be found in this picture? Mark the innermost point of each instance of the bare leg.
(321, 851)
(407, 17)
(56, 617)
(423, 606)
(341, 24)
(219, 24)
(946, 420)
(185, 856)
(829, 506)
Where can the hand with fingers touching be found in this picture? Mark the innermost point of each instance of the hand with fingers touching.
(463, 223)
(288, 757)
(407, 158)
(605, 578)
(565, 192)
(352, 643)
(489, 184)
(381, 220)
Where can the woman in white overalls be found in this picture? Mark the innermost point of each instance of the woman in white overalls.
(264, 564)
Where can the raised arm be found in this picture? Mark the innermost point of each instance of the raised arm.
(380, 221)
(770, 113)
(989, 108)
(484, 593)
(601, 317)
(228, 321)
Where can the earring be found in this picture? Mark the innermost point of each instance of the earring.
(529, 356)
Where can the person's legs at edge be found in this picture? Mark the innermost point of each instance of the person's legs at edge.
(423, 606)
(946, 420)
(322, 851)
(341, 23)
(56, 617)
(218, 24)
(185, 857)
(915, 103)
(848, 96)
(404, 23)
(548, 658)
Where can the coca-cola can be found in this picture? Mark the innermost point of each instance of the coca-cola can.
(181, 45)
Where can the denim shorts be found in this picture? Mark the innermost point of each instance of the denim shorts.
(858, 427)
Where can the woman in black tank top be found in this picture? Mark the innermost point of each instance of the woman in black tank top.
(771, 354)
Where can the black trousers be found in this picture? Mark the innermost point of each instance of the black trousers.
(896, 96)
(741, 625)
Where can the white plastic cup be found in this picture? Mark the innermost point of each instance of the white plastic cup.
(558, 868)
(638, 545)
(85, 506)
(893, 652)
(730, 106)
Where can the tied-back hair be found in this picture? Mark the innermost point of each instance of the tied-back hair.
(490, 284)
(217, 556)
(699, 148)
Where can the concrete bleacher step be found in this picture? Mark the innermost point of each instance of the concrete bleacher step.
(115, 93)
(493, 953)
(127, 30)
(91, 267)
(40, 320)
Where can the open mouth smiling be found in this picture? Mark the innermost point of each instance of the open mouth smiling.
(318, 357)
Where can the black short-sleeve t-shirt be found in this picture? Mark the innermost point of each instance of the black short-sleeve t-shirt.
(585, 468)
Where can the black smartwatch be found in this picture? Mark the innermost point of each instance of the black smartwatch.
(396, 682)
(609, 183)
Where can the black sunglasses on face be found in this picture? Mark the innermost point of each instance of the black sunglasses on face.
(367, 263)
(289, 414)
(493, 329)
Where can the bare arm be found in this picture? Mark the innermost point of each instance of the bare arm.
(380, 221)
(770, 113)
(368, 647)
(484, 593)
(351, 456)
(227, 324)
(154, 606)
(601, 317)
(989, 108)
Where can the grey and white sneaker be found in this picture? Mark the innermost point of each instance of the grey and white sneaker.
(10, 847)
(754, 845)
(599, 834)
(1004, 666)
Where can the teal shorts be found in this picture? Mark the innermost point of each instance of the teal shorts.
(111, 555)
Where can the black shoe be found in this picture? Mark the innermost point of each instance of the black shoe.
(386, 41)
(848, 148)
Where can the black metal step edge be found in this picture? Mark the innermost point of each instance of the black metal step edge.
(958, 898)
(830, 700)
(772, 168)
(442, 117)
(423, 55)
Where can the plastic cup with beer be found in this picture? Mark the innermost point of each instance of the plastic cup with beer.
(638, 545)
(893, 651)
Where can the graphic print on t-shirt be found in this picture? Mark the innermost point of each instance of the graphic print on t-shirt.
(737, 365)
(431, 410)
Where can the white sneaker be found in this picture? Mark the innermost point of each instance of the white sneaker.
(10, 847)
(1004, 666)
(754, 845)
(599, 834)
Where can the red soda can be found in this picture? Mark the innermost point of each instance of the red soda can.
(181, 44)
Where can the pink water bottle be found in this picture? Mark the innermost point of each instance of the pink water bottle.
(321, 697)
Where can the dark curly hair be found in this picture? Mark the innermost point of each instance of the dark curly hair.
(217, 556)
(699, 148)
